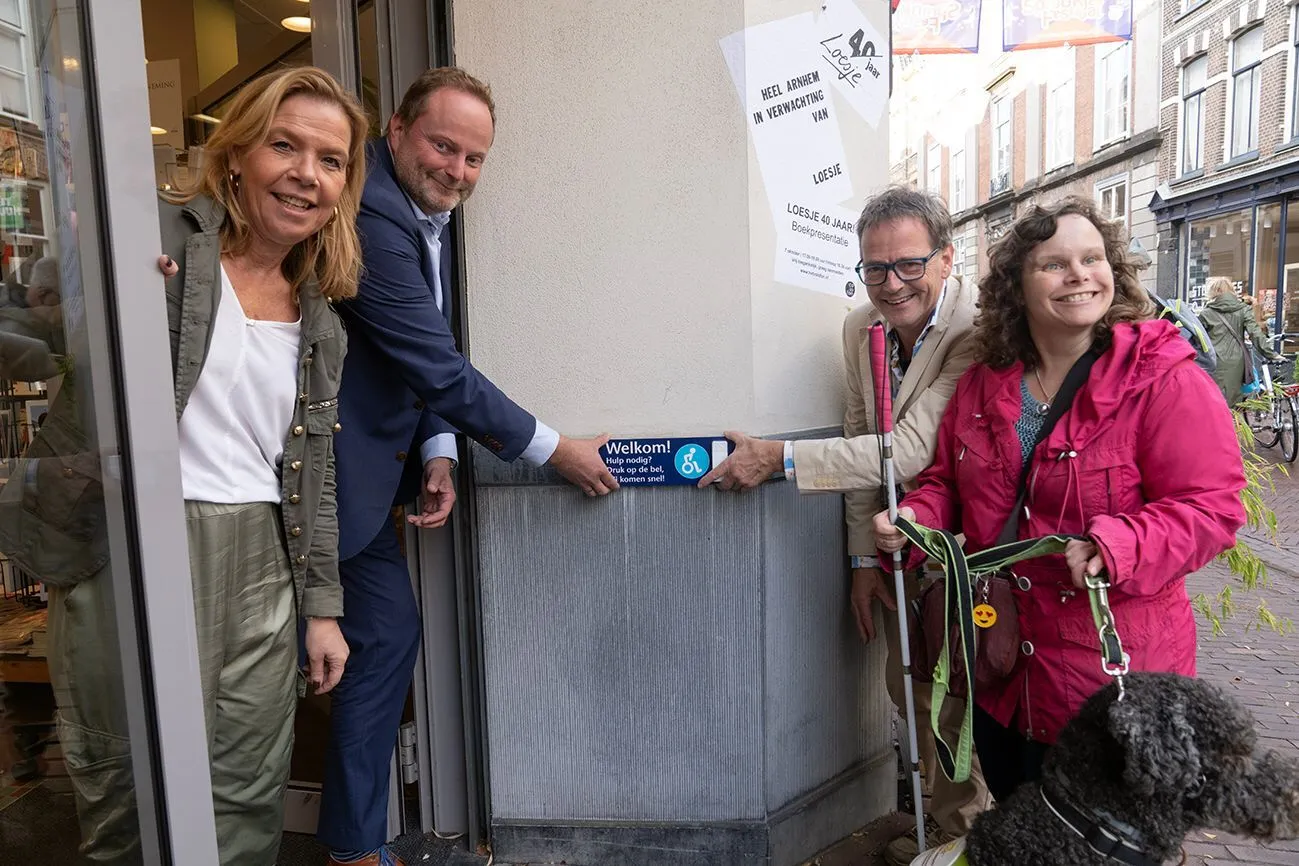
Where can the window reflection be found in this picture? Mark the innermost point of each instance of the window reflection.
(200, 52)
(66, 779)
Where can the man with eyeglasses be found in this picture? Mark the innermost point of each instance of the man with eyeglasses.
(928, 314)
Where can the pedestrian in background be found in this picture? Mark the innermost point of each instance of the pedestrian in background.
(1230, 321)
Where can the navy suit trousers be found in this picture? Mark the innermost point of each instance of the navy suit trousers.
(382, 626)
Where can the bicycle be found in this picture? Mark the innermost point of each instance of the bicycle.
(1276, 421)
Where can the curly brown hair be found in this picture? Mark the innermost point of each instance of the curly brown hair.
(1001, 329)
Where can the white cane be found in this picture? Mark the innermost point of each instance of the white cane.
(884, 415)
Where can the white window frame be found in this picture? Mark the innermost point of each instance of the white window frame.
(1060, 101)
(1183, 99)
(1108, 185)
(1292, 80)
(934, 168)
(1104, 52)
(998, 169)
(23, 76)
(960, 188)
(959, 242)
(1255, 70)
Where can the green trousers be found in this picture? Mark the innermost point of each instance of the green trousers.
(245, 614)
(86, 674)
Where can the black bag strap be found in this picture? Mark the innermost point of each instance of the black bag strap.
(1073, 380)
(1226, 326)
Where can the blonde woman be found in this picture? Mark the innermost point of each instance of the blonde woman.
(1228, 319)
(256, 251)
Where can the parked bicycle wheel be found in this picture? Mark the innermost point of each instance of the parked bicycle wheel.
(1287, 417)
(1264, 424)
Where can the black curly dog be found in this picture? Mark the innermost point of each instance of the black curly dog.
(1135, 776)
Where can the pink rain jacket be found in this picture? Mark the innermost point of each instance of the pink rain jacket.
(1145, 462)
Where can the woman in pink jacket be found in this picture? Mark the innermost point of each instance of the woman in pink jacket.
(1144, 463)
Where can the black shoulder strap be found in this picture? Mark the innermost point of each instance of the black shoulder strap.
(1226, 326)
(1073, 380)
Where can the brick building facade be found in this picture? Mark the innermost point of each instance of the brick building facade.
(1228, 199)
(1035, 126)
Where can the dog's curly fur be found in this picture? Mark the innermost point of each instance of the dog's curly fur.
(1174, 755)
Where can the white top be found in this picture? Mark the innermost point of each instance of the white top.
(233, 428)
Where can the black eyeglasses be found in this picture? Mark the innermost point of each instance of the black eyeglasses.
(908, 270)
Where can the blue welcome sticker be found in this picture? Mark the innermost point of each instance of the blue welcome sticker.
(663, 461)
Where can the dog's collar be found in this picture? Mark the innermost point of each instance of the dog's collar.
(1119, 843)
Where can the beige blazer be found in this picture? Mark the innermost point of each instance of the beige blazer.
(852, 465)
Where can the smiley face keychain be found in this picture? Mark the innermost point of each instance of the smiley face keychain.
(985, 615)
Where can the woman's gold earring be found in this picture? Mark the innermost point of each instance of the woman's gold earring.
(234, 182)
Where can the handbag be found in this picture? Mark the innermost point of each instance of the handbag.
(996, 613)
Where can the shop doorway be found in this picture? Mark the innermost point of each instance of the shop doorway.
(200, 53)
(100, 716)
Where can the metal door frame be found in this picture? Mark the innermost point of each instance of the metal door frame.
(450, 739)
(126, 305)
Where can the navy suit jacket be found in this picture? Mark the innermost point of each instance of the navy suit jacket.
(404, 379)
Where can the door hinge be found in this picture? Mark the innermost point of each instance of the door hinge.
(407, 756)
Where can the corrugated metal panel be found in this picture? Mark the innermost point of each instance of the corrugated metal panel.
(823, 689)
(623, 644)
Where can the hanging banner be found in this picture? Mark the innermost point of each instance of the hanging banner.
(1030, 24)
(936, 27)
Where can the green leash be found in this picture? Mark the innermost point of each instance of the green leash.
(962, 571)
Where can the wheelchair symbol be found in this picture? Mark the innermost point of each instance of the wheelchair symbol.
(691, 461)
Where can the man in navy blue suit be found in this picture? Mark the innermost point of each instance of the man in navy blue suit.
(406, 389)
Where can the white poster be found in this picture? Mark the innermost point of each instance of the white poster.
(816, 247)
(166, 111)
(856, 57)
(784, 86)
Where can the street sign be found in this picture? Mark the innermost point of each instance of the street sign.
(659, 462)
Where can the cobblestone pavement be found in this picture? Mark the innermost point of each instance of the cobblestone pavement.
(1258, 666)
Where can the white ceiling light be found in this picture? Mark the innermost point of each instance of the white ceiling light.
(157, 130)
(297, 23)
(206, 118)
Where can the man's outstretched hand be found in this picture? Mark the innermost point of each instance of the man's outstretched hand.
(579, 461)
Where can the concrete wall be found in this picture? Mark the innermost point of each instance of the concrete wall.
(664, 667)
(622, 221)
